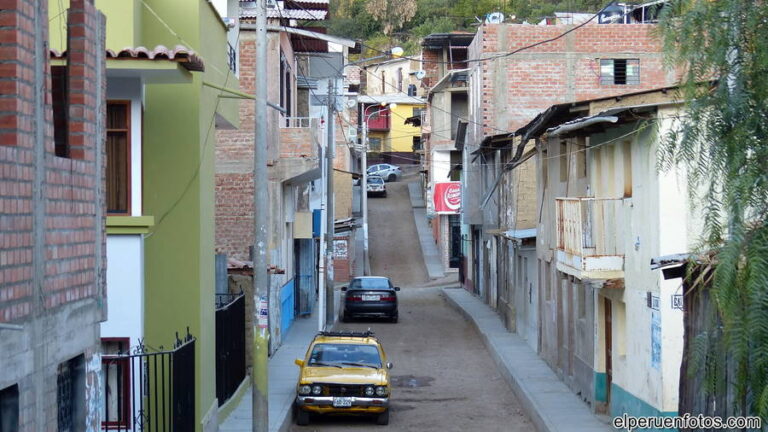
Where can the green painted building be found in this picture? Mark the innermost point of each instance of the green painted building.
(160, 186)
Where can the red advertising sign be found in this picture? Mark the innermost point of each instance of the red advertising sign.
(447, 197)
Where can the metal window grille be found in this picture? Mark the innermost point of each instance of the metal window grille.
(619, 71)
(70, 394)
(374, 144)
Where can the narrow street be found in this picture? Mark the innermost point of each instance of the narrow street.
(443, 377)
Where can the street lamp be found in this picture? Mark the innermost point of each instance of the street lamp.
(364, 184)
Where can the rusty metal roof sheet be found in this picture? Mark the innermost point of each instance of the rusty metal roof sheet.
(180, 54)
(299, 14)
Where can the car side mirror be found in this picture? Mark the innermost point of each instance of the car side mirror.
(344, 288)
(299, 362)
(390, 365)
(397, 288)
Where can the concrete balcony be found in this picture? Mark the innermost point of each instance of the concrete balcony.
(590, 237)
(300, 139)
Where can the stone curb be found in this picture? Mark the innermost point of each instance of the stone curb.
(494, 334)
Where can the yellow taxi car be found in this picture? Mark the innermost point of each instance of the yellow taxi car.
(343, 373)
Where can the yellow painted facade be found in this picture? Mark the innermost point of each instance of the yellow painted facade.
(399, 138)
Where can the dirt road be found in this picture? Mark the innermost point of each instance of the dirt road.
(443, 377)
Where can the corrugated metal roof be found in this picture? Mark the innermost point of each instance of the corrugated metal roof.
(400, 98)
(180, 54)
(300, 14)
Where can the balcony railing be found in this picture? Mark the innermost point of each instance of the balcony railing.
(296, 122)
(299, 137)
(590, 237)
(232, 58)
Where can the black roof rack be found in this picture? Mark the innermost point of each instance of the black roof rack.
(366, 333)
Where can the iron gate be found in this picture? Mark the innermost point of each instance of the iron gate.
(230, 344)
(148, 390)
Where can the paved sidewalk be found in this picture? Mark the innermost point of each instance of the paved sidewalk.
(283, 374)
(429, 249)
(550, 404)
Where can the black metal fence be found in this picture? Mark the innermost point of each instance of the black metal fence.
(230, 344)
(148, 390)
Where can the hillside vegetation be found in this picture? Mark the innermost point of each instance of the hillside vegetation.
(385, 23)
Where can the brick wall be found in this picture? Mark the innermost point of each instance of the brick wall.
(71, 187)
(431, 67)
(290, 149)
(517, 87)
(52, 235)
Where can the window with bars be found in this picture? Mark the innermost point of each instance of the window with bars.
(70, 394)
(119, 157)
(374, 144)
(619, 71)
(115, 383)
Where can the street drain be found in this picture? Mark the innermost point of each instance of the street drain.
(411, 381)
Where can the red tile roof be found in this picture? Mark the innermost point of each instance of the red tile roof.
(185, 56)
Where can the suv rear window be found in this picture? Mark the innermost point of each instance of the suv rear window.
(370, 284)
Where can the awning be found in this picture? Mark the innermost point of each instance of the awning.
(344, 225)
(353, 174)
(581, 123)
(521, 234)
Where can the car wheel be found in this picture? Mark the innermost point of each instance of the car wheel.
(391, 177)
(384, 195)
(383, 418)
(393, 319)
(344, 317)
(302, 417)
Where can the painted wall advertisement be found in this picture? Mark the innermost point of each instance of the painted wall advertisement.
(447, 197)
(655, 339)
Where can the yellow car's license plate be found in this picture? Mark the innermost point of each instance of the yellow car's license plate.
(342, 402)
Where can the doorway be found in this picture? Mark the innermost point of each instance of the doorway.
(608, 349)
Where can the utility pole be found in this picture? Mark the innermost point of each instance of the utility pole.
(261, 206)
(330, 218)
(364, 197)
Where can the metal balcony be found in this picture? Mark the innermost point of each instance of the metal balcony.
(590, 237)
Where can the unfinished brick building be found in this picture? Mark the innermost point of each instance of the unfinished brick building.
(500, 214)
(52, 236)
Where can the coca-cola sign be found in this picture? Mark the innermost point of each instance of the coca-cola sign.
(447, 197)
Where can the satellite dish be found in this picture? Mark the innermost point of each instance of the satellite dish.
(420, 74)
(494, 18)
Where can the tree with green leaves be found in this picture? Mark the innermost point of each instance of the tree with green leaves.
(722, 142)
(392, 14)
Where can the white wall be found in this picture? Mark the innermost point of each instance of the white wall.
(125, 287)
(655, 222)
(441, 164)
